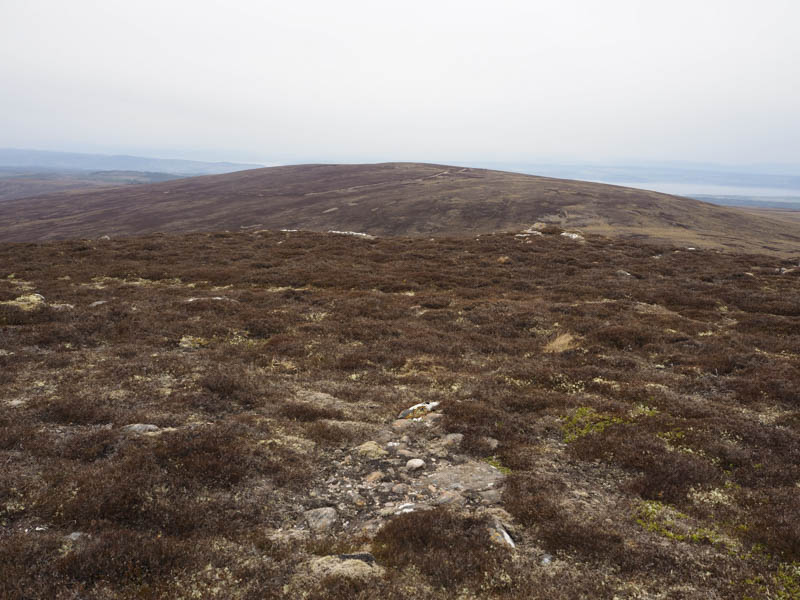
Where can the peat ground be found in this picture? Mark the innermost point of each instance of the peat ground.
(637, 409)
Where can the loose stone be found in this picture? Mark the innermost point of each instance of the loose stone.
(418, 410)
(400, 488)
(450, 498)
(415, 464)
(371, 450)
(490, 496)
(142, 428)
(321, 519)
(373, 477)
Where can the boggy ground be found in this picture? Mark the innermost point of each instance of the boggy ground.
(614, 419)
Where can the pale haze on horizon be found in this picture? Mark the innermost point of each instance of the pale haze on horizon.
(445, 81)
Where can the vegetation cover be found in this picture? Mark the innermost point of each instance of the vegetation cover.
(394, 199)
(179, 414)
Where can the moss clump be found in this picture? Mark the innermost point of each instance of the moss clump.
(497, 464)
(787, 582)
(659, 518)
(643, 410)
(783, 585)
(673, 436)
(586, 420)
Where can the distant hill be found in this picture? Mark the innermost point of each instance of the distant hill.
(754, 176)
(15, 157)
(392, 199)
(20, 182)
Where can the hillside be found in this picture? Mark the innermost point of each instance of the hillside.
(24, 183)
(315, 416)
(390, 199)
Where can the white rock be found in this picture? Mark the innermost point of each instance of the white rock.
(414, 464)
(499, 535)
(366, 236)
(62, 306)
(141, 427)
(210, 298)
(418, 410)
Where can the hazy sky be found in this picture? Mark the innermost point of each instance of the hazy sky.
(439, 80)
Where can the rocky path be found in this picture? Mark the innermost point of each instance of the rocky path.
(409, 466)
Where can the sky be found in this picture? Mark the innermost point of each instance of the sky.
(438, 80)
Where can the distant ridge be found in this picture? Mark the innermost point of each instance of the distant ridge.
(391, 199)
(71, 161)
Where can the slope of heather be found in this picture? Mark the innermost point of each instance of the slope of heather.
(18, 183)
(219, 415)
(390, 199)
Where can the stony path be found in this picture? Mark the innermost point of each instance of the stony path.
(408, 466)
(411, 465)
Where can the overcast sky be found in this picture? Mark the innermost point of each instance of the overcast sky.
(436, 80)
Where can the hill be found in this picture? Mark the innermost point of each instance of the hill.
(391, 199)
(305, 415)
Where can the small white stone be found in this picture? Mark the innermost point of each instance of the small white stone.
(417, 410)
(405, 508)
(142, 428)
(415, 464)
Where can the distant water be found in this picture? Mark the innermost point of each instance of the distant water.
(705, 189)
